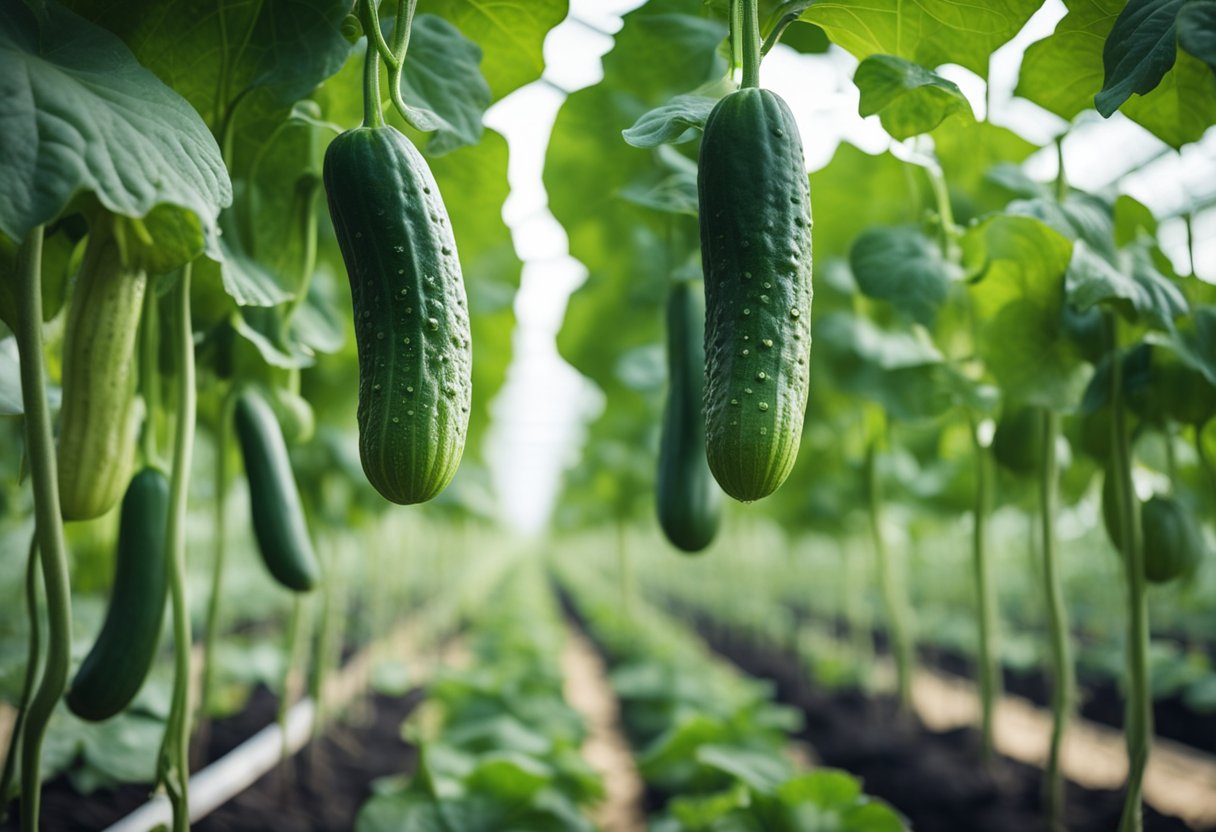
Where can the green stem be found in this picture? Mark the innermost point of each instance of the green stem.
(401, 41)
(1189, 219)
(1139, 721)
(174, 764)
(320, 665)
(945, 213)
(989, 666)
(373, 116)
(1204, 459)
(32, 660)
(306, 204)
(622, 559)
(736, 38)
(291, 648)
(1063, 683)
(1061, 178)
(149, 371)
(751, 44)
(892, 589)
(211, 628)
(40, 448)
(774, 35)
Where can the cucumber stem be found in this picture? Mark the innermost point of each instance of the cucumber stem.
(373, 116)
(149, 386)
(32, 660)
(893, 590)
(1139, 720)
(40, 447)
(211, 628)
(736, 39)
(774, 35)
(174, 768)
(751, 44)
(989, 669)
(1063, 683)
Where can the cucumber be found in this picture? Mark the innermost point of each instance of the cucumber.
(689, 501)
(98, 418)
(118, 663)
(755, 214)
(274, 500)
(411, 312)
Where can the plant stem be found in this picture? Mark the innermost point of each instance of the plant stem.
(1057, 623)
(736, 39)
(211, 629)
(892, 589)
(622, 559)
(751, 44)
(174, 763)
(149, 386)
(32, 661)
(289, 663)
(774, 36)
(1139, 721)
(989, 666)
(40, 447)
(373, 116)
(1061, 178)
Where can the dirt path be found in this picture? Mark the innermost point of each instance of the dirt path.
(1179, 781)
(586, 689)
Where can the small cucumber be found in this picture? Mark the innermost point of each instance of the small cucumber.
(97, 423)
(755, 214)
(689, 501)
(115, 668)
(274, 499)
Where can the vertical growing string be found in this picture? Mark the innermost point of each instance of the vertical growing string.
(174, 765)
(40, 448)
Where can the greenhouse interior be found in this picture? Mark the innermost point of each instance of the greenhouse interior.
(608, 415)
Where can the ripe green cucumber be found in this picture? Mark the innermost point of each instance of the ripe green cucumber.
(274, 500)
(689, 501)
(755, 209)
(98, 417)
(411, 313)
(115, 668)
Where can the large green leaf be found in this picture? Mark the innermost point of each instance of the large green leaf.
(856, 190)
(908, 99)
(1018, 265)
(929, 32)
(443, 84)
(903, 266)
(79, 114)
(1197, 30)
(511, 34)
(1138, 52)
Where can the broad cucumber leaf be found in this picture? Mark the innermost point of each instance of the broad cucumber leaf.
(858, 190)
(1018, 265)
(1197, 30)
(929, 32)
(903, 266)
(443, 84)
(1138, 52)
(510, 32)
(79, 114)
(908, 99)
(1134, 286)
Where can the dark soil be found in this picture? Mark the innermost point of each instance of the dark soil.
(934, 779)
(1101, 699)
(320, 789)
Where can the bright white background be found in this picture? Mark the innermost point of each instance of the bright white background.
(540, 412)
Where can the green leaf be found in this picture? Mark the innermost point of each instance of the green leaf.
(903, 266)
(1063, 72)
(443, 84)
(11, 403)
(908, 99)
(1134, 287)
(672, 123)
(929, 32)
(72, 87)
(1138, 52)
(1195, 342)
(828, 789)
(1018, 265)
(858, 190)
(510, 32)
(1197, 30)
(1181, 109)
(509, 777)
(762, 771)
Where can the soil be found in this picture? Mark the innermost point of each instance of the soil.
(934, 779)
(321, 789)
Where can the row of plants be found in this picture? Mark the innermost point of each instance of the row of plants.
(968, 319)
(710, 743)
(498, 747)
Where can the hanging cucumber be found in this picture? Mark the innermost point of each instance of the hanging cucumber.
(689, 501)
(755, 213)
(115, 668)
(274, 499)
(411, 313)
(97, 420)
